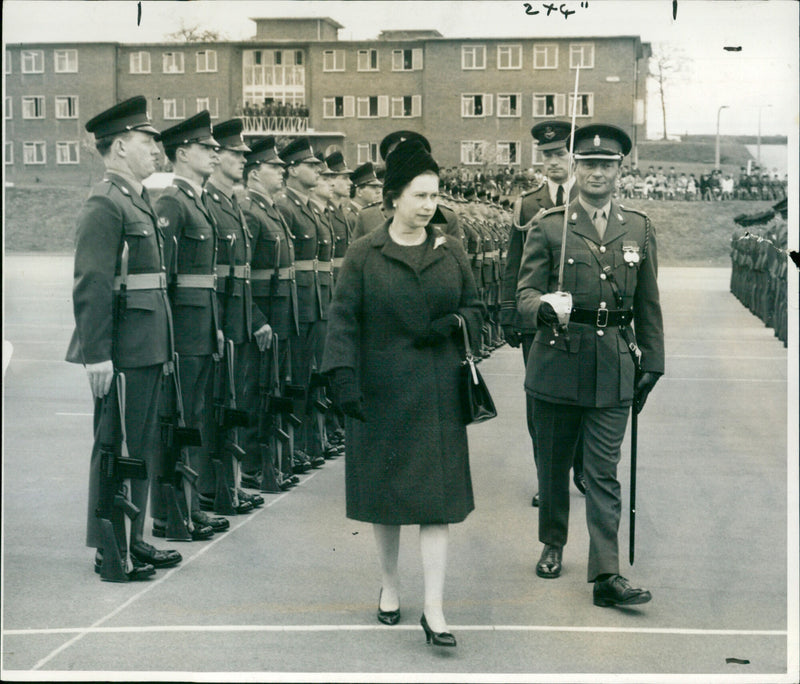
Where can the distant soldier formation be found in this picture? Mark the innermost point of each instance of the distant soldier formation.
(201, 320)
(759, 266)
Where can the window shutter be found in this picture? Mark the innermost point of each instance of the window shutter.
(383, 105)
(416, 105)
(397, 60)
(487, 104)
(349, 105)
(561, 105)
(416, 59)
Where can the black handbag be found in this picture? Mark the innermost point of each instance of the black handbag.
(476, 401)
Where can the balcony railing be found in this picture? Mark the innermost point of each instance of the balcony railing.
(274, 124)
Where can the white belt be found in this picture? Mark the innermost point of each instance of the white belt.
(142, 281)
(224, 270)
(206, 281)
(337, 262)
(267, 273)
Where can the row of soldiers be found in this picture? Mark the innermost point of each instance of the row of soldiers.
(759, 266)
(201, 321)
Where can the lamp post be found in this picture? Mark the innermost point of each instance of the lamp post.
(758, 149)
(716, 153)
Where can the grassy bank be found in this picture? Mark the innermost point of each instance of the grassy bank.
(42, 219)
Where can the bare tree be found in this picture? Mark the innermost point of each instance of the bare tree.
(667, 64)
(194, 34)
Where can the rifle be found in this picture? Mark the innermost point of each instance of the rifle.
(178, 474)
(115, 508)
(272, 437)
(297, 395)
(228, 453)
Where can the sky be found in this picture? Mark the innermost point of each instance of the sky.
(758, 84)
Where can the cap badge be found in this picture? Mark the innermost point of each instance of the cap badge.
(596, 141)
(549, 133)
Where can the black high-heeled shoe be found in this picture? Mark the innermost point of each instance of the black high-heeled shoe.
(438, 639)
(387, 617)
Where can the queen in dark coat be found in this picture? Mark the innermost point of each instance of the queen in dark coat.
(393, 353)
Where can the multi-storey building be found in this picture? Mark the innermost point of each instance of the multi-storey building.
(475, 99)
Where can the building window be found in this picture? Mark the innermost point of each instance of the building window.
(66, 107)
(472, 151)
(67, 153)
(585, 104)
(367, 152)
(508, 153)
(407, 106)
(508, 104)
(473, 56)
(172, 63)
(33, 107)
(8, 109)
(32, 62)
(373, 106)
(338, 107)
(206, 61)
(66, 61)
(509, 56)
(581, 55)
(407, 60)
(545, 56)
(8, 62)
(209, 103)
(476, 105)
(174, 108)
(9, 153)
(368, 60)
(548, 104)
(34, 153)
(140, 63)
(333, 60)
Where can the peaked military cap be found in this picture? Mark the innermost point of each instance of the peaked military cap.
(601, 141)
(195, 129)
(263, 151)
(391, 141)
(130, 115)
(229, 135)
(336, 165)
(364, 175)
(299, 151)
(550, 135)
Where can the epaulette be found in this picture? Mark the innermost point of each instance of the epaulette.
(553, 210)
(631, 209)
(372, 204)
(532, 190)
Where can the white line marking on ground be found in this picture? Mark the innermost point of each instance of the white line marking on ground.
(152, 584)
(147, 629)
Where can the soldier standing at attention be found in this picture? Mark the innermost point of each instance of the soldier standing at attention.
(118, 243)
(191, 249)
(313, 298)
(583, 376)
(552, 138)
(242, 323)
(366, 191)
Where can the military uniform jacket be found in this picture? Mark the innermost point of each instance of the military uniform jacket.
(113, 215)
(302, 223)
(234, 298)
(342, 230)
(525, 208)
(591, 366)
(273, 248)
(190, 249)
(325, 247)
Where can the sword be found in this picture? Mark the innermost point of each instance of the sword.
(632, 524)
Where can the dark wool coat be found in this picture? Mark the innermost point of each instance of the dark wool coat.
(409, 462)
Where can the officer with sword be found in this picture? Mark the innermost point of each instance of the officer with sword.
(588, 282)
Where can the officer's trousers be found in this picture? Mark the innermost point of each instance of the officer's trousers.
(307, 359)
(194, 373)
(557, 428)
(143, 432)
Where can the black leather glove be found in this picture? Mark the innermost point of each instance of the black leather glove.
(438, 331)
(547, 315)
(346, 393)
(512, 336)
(644, 384)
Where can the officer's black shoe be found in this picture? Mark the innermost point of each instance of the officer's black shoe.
(535, 500)
(255, 499)
(330, 452)
(580, 482)
(158, 558)
(317, 461)
(301, 462)
(141, 571)
(199, 532)
(617, 591)
(216, 523)
(549, 565)
(251, 480)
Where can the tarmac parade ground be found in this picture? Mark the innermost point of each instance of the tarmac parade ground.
(290, 591)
